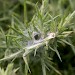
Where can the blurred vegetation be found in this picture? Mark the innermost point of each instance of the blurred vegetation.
(19, 19)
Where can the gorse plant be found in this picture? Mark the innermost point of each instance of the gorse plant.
(37, 41)
(9, 70)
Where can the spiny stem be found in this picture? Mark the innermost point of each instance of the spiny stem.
(25, 13)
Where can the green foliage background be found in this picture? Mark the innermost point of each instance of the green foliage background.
(19, 19)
